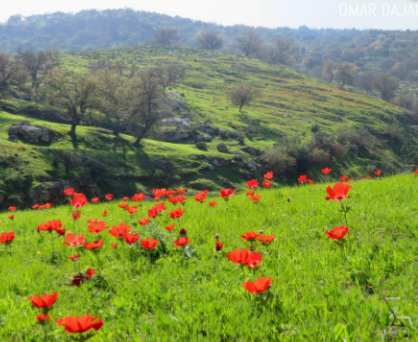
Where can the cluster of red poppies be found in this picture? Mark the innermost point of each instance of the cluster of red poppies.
(253, 185)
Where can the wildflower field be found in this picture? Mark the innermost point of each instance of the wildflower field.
(279, 264)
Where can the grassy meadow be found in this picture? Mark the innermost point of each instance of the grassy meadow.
(361, 289)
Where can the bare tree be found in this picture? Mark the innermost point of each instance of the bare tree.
(209, 40)
(345, 74)
(167, 37)
(281, 51)
(328, 71)
(386, 86)
(72, 93)
(365, 82)
(243, 95)
(170, 74)
(11, 74)
(250, 43)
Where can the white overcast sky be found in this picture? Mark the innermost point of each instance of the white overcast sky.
(267, 13)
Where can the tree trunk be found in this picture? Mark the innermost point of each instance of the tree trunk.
(73, 128)
(137, 142)
(240, 107)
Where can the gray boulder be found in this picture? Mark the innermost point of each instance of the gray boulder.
(222, 148)
(49, 192)
(31, 133)
(251, 150)
(13, 138)
(201, 146)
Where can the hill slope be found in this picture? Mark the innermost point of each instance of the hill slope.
(289, 106)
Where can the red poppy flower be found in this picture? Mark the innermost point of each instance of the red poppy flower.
(160, 207)
(93, 245)
(125, 199)
(60, 231)
(123, 205)
(266, 239)
(69, 192)
(170, 227)
(266, 184)
(177, 199)
(254, 259)
(78, 201)
(104, 214)
(109, 197)
(176, 214)
(12, 208)
(7, 238)
(80, 278)
(337, 233)
(144, 221)
(181, 191)
(259, 286)
(416, 172)
(252, 184)
(182, 231)
(120, 230)
(74, 257)
(249, 193)
(138, 197)
(255, 198)
(326, 171)
(310, 181)
(76, 215)
(131, 210)
(201, 196)
(302, 179)
(81, 324)
(50, 226)
(268, 175)
(226, 193)
(41, 318)
(36, 206)
(45, 206)
(131, 238)
(115, 245)
(46, 301)
(11, 217)
(96, 227)
(250, 236)
(149, 243)
(153, 213)
(338, 192)
(213, 204)
(219, 246)
(183, 241)
(378, 173)
(95, 200)
(343, 178)
(74, 240)
(239, 256)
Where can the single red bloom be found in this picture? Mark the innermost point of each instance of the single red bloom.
(343, 178)
(160, 207)
(78, 201)
(176, 214)
(416, 172)
(45, 206)
(170, 227)
(266, 240)
(226, 193)
(326, 171)
(95, 200)
(378, 173)
(144, 221)
(302, 179)
(239, 256)
(120, 230)
(201, 196)
(254, 259)
(50, 226)
(74, 240)
(259, 286)
(131, 238)
(266, 184)
(115, 245)
(11, 217)
(153, 213)
(36, 206)
(104, 214)
(60, 231)
(181, 242)
(75, 325)
(80, 278)
(250, 236)
(131, 210)
(76, 215)
(149, 243)
(310, 181)
(219, 246)
(181, 191)
(337, 233)
(255, 198)
(46, 301)
(109, 197)
(138, 197)
(249, 193)
(182, 231)
(74, 257)
(96, 226)
(123, 205)
(268, 175)
(12, 208)
(93, 245)
(125, 199)
(41, 318)
(177, 199)
(7, 238)
(69, 192)
(213, 204)
(338, 192)
(252, 184)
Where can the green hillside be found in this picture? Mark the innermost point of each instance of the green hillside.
(289, 107)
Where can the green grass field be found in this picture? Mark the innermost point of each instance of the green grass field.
(362, 290)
